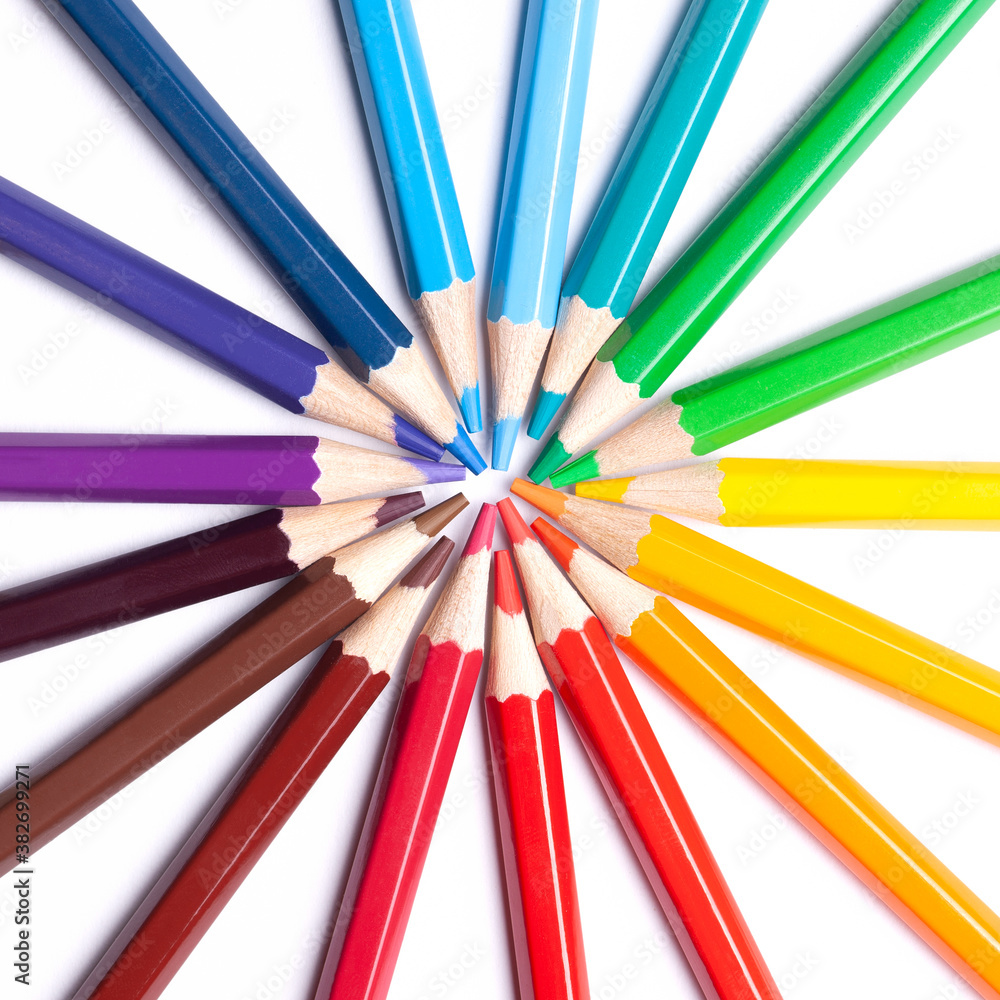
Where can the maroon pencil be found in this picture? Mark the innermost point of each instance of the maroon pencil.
(321, 601)
(173, 574)
(327, 707)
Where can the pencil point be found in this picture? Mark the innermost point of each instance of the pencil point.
(513, 523)
(552, 456)
(409, 437)
(561, 546)
(504, 437)
(465, 451)
(481, 536)
(438, 472)
(548, 501)
(433, 520)
(472, 411)
(396, 506)
(545, 409)
(428, 569)
(505, 593)
(612, 490)
(585, 467)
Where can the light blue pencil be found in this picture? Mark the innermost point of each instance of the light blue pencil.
(534, 211)
(647, 184)
(419, 191)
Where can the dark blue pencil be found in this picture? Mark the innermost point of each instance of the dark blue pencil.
(252, 198)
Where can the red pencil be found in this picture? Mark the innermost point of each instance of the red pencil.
(247, 816)
(640, 784)
(531, 806)
(434, 703)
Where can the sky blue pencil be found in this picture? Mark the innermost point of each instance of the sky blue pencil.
(534, 211)
(240, 184)
(419, 191)
(647, 183)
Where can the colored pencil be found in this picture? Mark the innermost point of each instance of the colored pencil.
(716, 578)
(890, 860)
(187, 468)
(253, 808)
(754, 492)
(534, 209)
(658, 821)
(419, 191)
(433, 705)
(531, 805)
(630, 221)
(180, 312)
(803, 374)
(759, 218)
(321, 601)
(236, 180)
(195, 567)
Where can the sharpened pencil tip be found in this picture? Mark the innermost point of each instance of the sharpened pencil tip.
(425, 572)
(472, 410)
(513, 523)
(409, 437)
(552, 456)
(612, 490)
(504, 438)
(481, 536)
(561, 546)
(506, 596)
(585, 467)
(433, 520)
(545, 410)
(398, 506)
(550, 502)
(466, 452)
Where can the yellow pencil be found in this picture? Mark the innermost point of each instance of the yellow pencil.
(754, 492)
(852, 824)
(716, 578)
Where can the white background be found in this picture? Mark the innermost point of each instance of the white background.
(285, 64)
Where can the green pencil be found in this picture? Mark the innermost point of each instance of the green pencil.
(805, 373)
(768, 208)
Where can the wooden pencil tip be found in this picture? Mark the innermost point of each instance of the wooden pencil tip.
(550, 502)
(433, 520)
(517, 530)
(398, 506)
(561, 546)
(481, 536)
(425, 572)
(505, 593)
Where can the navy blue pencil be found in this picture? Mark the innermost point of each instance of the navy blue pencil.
(188, 316)
(252, 198)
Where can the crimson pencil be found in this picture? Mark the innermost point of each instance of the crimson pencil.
(325, 598)
(433, 706)
(650, 804)
(324, 711)
(531, 806)
(182, 571)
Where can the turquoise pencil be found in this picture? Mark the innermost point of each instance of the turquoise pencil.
(534, 210)
(647, 183)
(419, 191)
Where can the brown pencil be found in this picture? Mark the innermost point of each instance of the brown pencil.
(321, 601)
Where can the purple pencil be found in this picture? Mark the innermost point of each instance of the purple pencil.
(167, 468)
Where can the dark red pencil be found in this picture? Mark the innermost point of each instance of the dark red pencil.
(433, 706)
(531, 806)
(253, 808)
(642, 788)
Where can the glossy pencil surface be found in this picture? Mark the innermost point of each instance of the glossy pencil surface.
(419, 191)
(647, 183)
(535, 206)
(182, 571)
(437, 692)
(221, 468)
(251, 811)
(253, 199)
(531, 806)
(747, 592)
(815, 788)
(651, 806)
(189, 317)
(767, 209)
